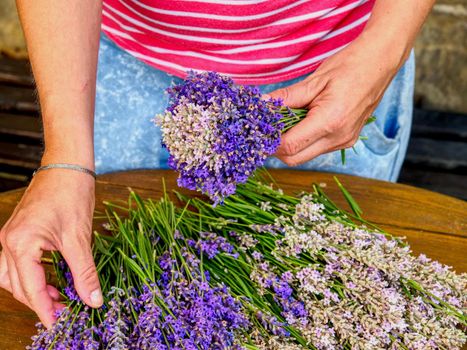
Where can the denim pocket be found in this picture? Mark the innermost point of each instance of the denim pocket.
(377, 142)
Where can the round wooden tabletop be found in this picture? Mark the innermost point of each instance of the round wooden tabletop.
(434, 224)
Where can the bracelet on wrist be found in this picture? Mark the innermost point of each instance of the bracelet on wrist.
(74, 167)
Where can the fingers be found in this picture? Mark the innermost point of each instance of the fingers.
(4, 278)
(32, 278)
(58, 306)
(16, 288)
(329, 143)
(325, 129)
(25, 278)
(301, 94)
(302, 135)
(79, 258)
(318, 148)
(53, 292)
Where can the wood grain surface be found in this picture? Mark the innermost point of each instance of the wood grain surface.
(433, 224)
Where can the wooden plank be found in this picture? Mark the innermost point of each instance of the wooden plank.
(435, 180)
(20, 155)
(437, 153)
(18, 99)
(18, 163)
(17, 93)
(16, 79)
(12, 182)
(449, 155)
(14, 66)
(439, 125)
(14, 126)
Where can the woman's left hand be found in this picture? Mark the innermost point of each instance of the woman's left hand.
(340, 95)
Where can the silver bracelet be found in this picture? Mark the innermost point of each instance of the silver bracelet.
(66, 166)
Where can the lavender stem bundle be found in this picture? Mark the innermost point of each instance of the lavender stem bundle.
(264, 271)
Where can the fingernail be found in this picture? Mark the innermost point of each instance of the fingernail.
(96, 298)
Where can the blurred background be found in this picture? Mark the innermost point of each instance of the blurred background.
(437, 155)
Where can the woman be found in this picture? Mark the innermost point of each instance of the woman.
(342, 59)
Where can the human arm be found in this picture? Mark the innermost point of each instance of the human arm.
(347, 87)
(55, 212)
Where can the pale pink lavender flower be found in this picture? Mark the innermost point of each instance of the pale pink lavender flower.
(371, 269)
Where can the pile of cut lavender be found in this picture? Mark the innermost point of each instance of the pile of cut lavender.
(264, 271)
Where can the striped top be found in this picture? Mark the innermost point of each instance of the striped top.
(253, 41)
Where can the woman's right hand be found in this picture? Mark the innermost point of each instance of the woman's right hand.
(55, 213)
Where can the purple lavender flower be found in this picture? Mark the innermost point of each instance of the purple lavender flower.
(257, 255)
(70, 331)
(218, 133)
(179, 311)
(186, 312)
(115, 328)
(272, 324)
(69, 288)
(211, 244)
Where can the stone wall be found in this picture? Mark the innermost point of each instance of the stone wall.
(11, 35)
(442, 58)
(441, 53)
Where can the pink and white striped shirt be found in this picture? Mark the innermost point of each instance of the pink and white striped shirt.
(253, 41)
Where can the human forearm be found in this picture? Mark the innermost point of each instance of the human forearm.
(63, 38)
(393, 28)
(56, 210)
(347, 87)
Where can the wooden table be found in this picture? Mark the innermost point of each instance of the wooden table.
(434, 224)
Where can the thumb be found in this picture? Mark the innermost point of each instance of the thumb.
(299, 95)
(81, 263)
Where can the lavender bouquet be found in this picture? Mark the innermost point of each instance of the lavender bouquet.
(218, 133)
(265, 271)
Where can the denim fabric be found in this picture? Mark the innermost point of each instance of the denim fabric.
(130, 93)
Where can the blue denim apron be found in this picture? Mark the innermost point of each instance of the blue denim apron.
(130, 93)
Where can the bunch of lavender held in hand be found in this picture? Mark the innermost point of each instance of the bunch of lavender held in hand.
(217, 133)
(265, 271)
